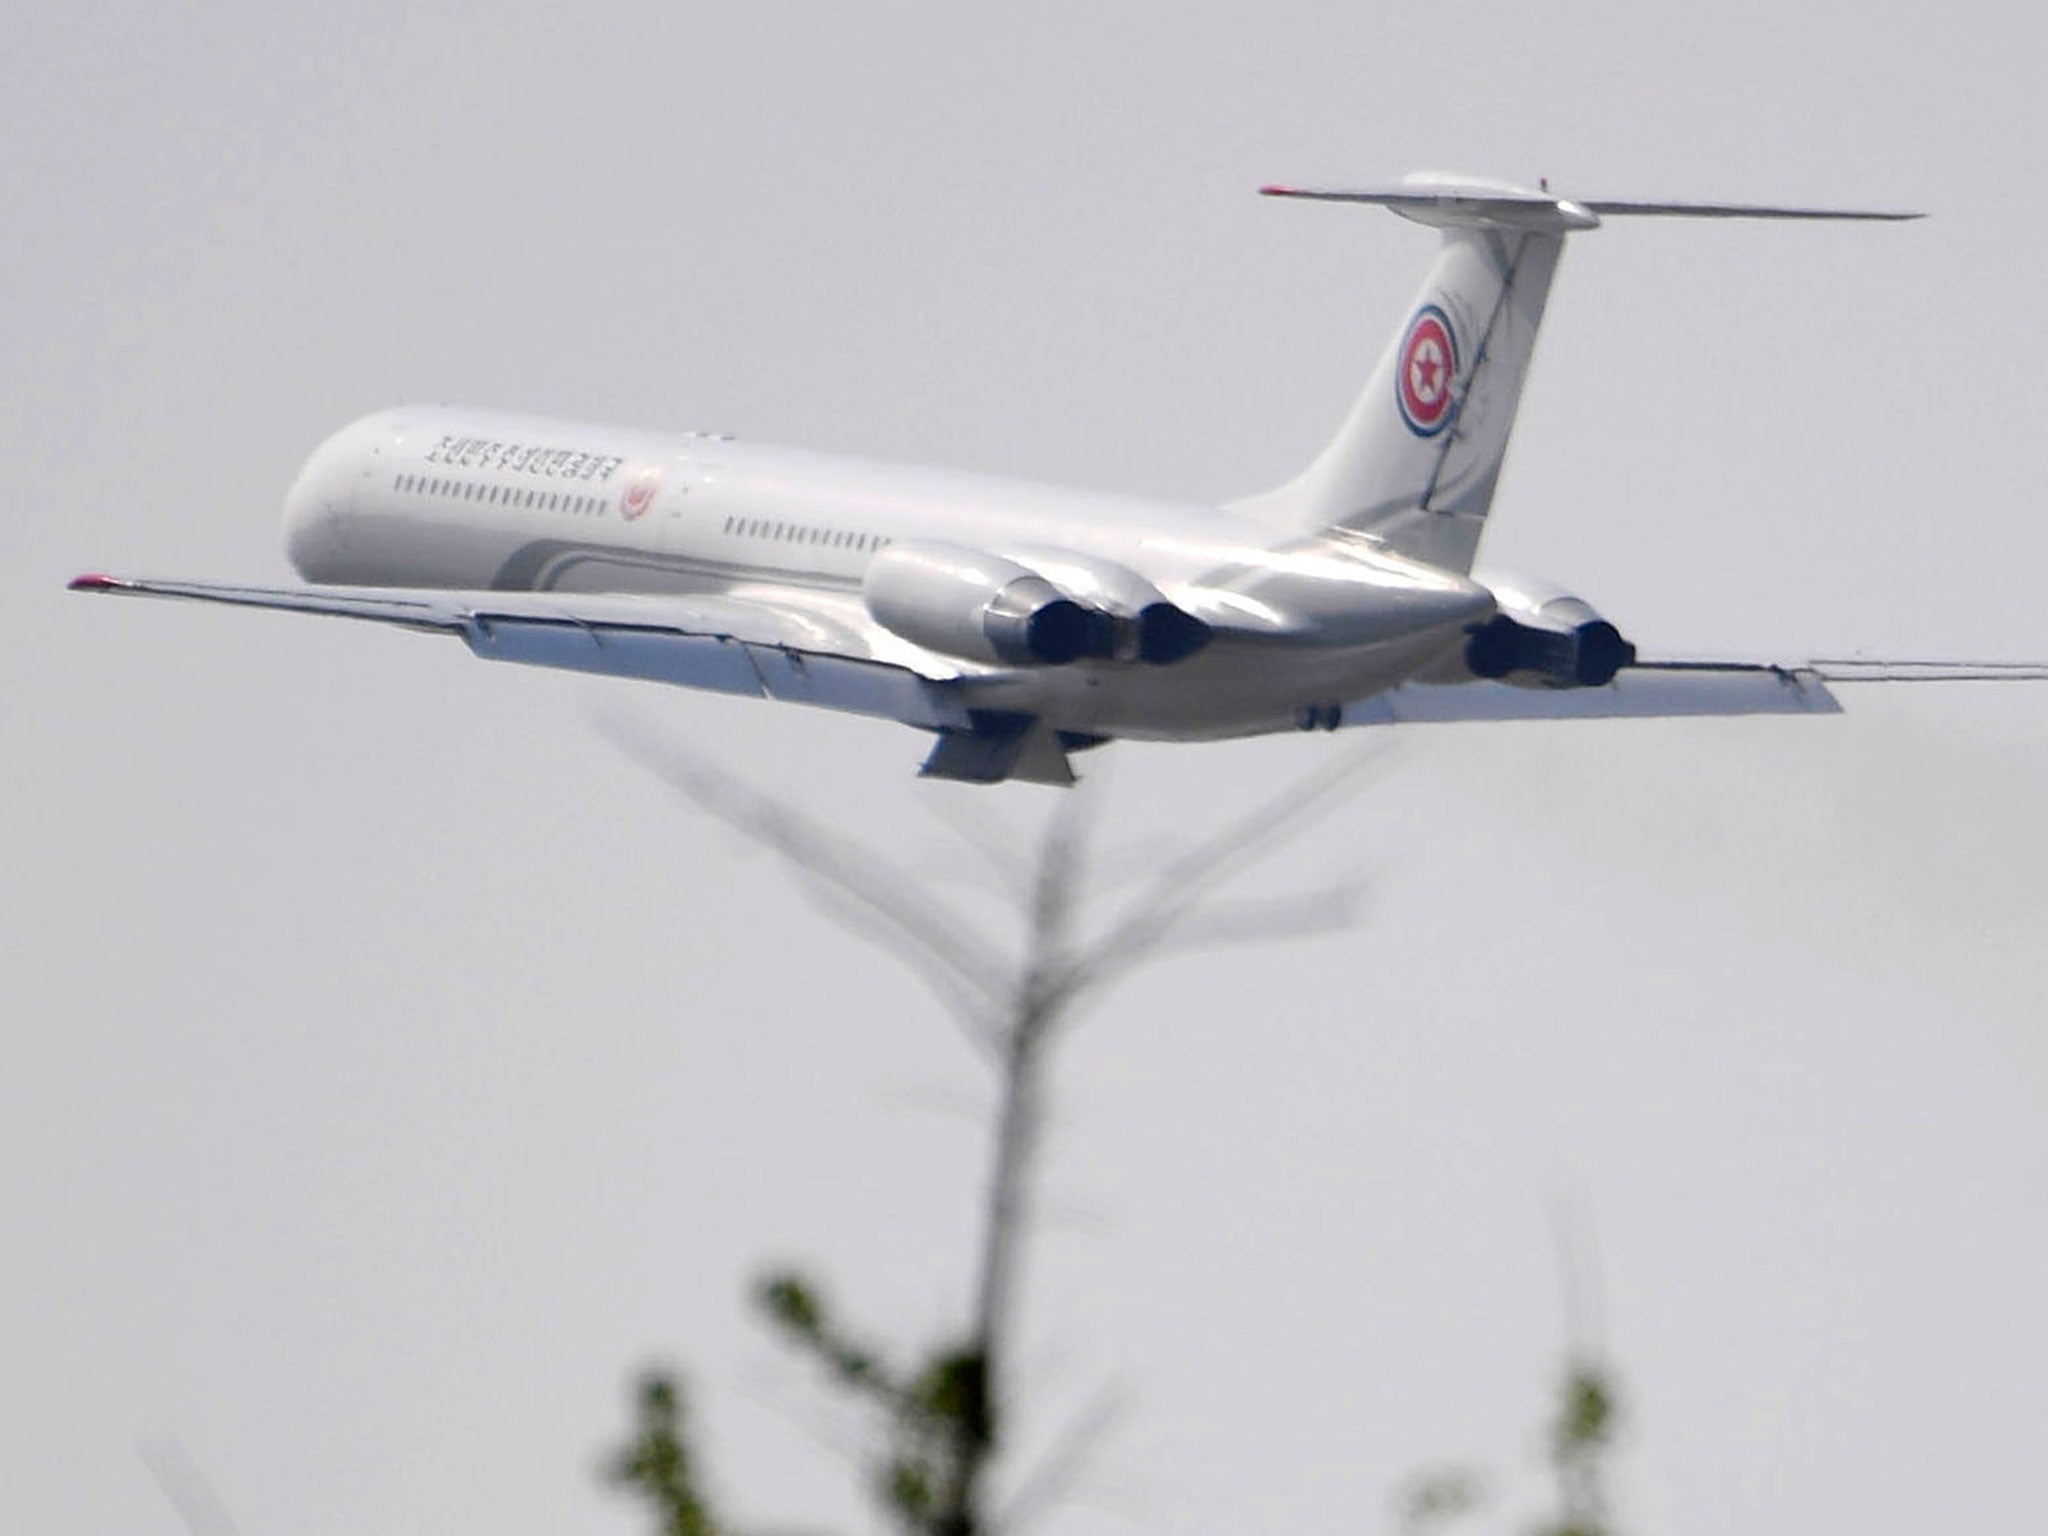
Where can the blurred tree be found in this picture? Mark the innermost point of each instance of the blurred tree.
(941, 1416)
(656, 1464)
(1581, 1435)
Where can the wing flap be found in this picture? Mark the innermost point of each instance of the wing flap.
(690, 660)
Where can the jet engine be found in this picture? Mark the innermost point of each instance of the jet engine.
(1136, 620)
(1544, 637)
(965, 602)
(1044, 606)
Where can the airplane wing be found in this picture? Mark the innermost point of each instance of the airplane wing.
(784, 647)
(1672, 689)
(806, 648)
(1644, 690)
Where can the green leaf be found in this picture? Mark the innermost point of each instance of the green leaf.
(1585, 1420)
(1439, 1496)
(792, 1304)
(907, 1488)
(655, 1463)
(954, 1391)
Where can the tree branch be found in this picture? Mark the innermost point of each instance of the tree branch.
(962, 966)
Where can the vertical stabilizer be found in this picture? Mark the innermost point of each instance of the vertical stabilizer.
(1416, 461)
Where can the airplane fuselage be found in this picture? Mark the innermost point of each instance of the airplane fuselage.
(440, 498)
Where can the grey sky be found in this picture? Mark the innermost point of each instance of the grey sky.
(393, 1067)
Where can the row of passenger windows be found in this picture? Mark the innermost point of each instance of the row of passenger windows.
(798, 533)
(503, 495)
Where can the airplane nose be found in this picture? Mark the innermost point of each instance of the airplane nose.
(319, 504)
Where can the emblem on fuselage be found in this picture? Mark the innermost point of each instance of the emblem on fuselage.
(639, 493)
(1429, 364)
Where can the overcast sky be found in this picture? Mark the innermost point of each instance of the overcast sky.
(393, 1067)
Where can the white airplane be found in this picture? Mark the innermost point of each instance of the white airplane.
(1020, 622)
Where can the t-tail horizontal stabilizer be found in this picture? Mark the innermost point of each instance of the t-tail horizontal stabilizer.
(1468, 202)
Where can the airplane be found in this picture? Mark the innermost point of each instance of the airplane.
(1021, 623)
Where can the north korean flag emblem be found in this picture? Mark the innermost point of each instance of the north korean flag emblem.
(640, 492)
(1429, 364)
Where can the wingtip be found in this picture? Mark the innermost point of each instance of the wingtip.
(94, 581)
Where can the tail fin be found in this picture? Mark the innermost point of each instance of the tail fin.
(1416, 461)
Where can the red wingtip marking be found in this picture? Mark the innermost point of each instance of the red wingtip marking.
(93, 582)
(1274, 189)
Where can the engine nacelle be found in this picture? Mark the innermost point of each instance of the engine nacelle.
(1544, 637)
(965, 602)
(1141, 623)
